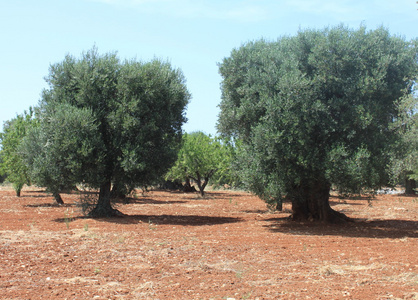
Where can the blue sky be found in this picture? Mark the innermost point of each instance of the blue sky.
(193, 35)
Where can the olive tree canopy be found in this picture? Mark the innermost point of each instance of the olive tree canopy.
(314, 110)
(121, 120)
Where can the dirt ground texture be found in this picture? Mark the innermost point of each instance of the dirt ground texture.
(172, 245)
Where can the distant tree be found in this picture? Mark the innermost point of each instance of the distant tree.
(227, 174)
(125, 117)
(405, 153)
(315, 110)
(11, 163)
(200, 158)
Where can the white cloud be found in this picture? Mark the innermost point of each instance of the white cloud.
(239, 10)
(336, 7)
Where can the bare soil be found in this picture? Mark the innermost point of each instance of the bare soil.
(172, 245)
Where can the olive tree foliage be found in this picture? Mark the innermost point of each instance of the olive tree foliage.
(11, 163)
(314, 110)
(120, 122)
(61, 150)
(200, 158)
(405, 152)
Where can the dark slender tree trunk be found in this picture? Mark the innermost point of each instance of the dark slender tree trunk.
(310, 201)
(18, 188)
(410, 186)
(202, 185)
(58, 198)
(188, 188)
(279, 206)
(199, 184)
(119, 191)
(104, 207)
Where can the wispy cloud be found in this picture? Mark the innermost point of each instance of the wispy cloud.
(238, 10)
(348, 9)
(341, 7)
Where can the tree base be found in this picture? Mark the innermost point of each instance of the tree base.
(331, 217)
(100, 212)
(58, 199)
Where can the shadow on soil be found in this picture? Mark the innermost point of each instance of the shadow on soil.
(380, 229)
(51, 205)
(146, 200)
(190, 220)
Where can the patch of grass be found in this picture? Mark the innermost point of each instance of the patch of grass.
(240, 271)
(68, 218)
(163, 243)
(409, 278)
(32, 225)
(344, 269)
(151, 225)
(86, 227)
(239, 274)
(93, 236)
(120, 240)
(97, 270)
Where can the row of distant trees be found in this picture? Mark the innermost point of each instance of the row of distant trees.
(325, 108)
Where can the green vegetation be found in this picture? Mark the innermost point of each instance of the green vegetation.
(202, 158)
(405, 153)
(316, 110)
(106, 122)
(325, 108)
(60, 150)
(11, 163)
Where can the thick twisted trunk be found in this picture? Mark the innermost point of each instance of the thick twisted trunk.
(104, 207)
(310, 201)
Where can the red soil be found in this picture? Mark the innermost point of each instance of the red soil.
(226, 246)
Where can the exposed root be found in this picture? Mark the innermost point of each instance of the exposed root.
(336, 217)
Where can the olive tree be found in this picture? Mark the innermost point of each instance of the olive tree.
(200, 158)
(61, 149)
(405, 152)
(314, 110)
(11, 163)
(123, 117)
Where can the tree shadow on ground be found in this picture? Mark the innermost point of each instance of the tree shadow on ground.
(256, 211)
(409, 195)
(37, 195)
(226, 194)
(51, 205)
(146, 200)
(333, 202)
(182, 220)
(380, 229)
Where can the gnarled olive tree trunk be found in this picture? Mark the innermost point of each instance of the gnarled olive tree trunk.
(310, 201)
(104, 206)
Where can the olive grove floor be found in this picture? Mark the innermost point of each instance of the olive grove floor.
(171, 245)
